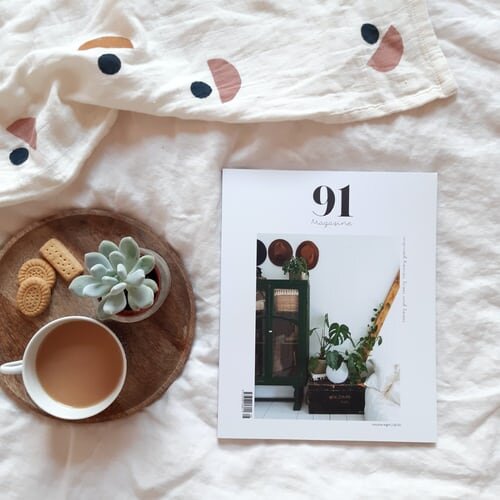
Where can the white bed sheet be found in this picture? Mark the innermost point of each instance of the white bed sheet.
(166, 172)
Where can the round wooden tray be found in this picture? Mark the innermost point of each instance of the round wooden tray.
(156, 348)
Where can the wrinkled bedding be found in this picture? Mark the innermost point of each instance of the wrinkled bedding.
(66, 68)
(166, 172)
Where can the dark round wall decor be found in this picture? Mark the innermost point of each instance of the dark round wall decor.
(279, 252)
(309, 251)
(261, 252)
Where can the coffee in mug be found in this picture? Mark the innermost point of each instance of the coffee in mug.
(78, 363)
(73, 367)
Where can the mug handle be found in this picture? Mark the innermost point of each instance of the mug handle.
(12, 367)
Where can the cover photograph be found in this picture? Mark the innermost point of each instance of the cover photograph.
(327, 325)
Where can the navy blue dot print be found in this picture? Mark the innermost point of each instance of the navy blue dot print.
(201, 90)
(370, 33)
(109, 64)
(18, 156)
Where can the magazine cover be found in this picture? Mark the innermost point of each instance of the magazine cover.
(327, 325)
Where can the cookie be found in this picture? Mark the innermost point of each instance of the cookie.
(63, 261)
(33, 296)
(37, 268)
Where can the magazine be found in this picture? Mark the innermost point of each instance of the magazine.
(327, 327)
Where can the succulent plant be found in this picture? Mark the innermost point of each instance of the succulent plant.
(117, 276)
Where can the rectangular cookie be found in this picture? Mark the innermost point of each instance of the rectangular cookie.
(63, 261)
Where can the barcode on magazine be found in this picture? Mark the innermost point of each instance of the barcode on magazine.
(247, 404)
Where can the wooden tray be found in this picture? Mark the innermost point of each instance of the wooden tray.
(156, 348)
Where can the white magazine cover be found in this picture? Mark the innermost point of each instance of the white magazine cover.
(327, 327)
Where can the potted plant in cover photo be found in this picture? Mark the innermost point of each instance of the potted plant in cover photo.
(349, 363)
(296, 267)
(130, 283)
(317, 362)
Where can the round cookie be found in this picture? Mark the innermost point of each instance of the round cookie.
(33, 296)
(37, 268)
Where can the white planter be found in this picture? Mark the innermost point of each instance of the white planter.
(164, 283)
(337, 376)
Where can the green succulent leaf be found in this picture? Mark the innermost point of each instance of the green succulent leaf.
(118, 288)
(100, 312)
(140, 297)
(151, 284)
(135, 278)
(113, 304)
(121, 272)
(96, 290)
(109, 280)
(80, 282)
(146, 263)
(98, 271)
(106, 247)
(94, 258)
(130, 249)
(116, 258)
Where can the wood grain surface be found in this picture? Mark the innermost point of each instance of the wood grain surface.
(156, 348)
(384, 311)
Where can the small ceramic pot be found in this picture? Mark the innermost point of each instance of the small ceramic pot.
(337, 376)
(298, 276)
(163, 280)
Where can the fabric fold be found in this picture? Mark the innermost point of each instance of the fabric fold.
(67, 69)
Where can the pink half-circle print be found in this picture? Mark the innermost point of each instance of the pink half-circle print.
(24, 128)
(226, 78)
(107, 42)
(389, 53)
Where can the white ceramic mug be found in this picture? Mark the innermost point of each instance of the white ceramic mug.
(27, 368)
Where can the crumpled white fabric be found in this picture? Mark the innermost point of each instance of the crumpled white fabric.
(166, 172)
(224, 60)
